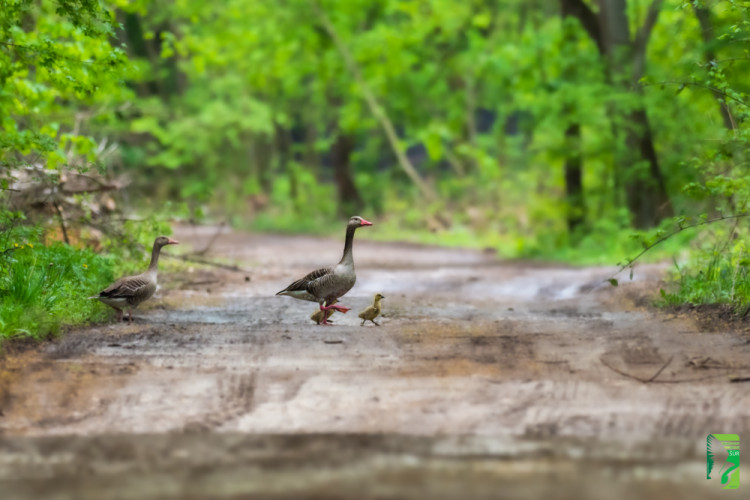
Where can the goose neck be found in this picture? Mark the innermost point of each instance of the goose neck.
(348, 244)
(155, 251)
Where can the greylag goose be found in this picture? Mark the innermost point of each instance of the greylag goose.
(373, 311)
(129, 292)
(325, 286)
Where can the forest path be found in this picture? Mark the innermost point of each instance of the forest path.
(486, 379)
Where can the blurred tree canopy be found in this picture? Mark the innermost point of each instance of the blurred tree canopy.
(549, 121)
(59, 79)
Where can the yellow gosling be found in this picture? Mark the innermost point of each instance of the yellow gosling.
(372, 311)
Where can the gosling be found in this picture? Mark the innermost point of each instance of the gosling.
(317, 316)
(372, 311)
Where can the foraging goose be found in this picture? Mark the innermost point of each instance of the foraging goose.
(325, 286)
(130, 291)
(372, 312)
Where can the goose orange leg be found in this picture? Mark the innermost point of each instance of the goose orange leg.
(338, 308)
(324, 320)
(325, 308)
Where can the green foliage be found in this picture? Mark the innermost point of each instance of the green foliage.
(44, 287)
(58, 74)
(486, 88)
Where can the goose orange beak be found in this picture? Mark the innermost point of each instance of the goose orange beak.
(172, 242)
(366, 223)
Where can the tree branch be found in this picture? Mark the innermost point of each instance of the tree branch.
(667, 236)
(62, 221)
(375, 108)
(642, 37)
(45, 51)
(587, 18)
(205, 262)
(713, 90)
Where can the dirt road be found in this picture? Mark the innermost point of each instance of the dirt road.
(487, 379)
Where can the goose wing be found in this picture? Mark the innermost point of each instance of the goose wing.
(309, 282)
(124, 288)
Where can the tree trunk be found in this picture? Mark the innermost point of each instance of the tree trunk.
(350, 202)
(576, 208)
(645, 191)
(137, 48)
(282, 145)
(573, 166)
(471, 124)
(262, 155)
(287, 163)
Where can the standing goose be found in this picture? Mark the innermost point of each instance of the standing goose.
(325, 286)
(130, 291)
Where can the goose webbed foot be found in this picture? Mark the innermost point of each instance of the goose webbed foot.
(335, 307)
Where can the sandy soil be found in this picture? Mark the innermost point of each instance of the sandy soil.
(487, 379)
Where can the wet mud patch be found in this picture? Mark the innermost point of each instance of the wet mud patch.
(717, 317)
(230, 466)
(482, 373)
(74, 392)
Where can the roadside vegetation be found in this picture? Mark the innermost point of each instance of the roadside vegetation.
(45, 284)
(538, 129)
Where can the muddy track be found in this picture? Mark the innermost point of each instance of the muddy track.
(541, 379)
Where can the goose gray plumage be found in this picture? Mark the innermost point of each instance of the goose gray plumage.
(129, 292)
(326, 285)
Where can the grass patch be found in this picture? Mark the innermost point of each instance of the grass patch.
(43, 288)
(718, 276)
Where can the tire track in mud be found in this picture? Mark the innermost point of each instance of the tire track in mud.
(236, 397)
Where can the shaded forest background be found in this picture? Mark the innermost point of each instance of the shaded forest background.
(571, 129)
